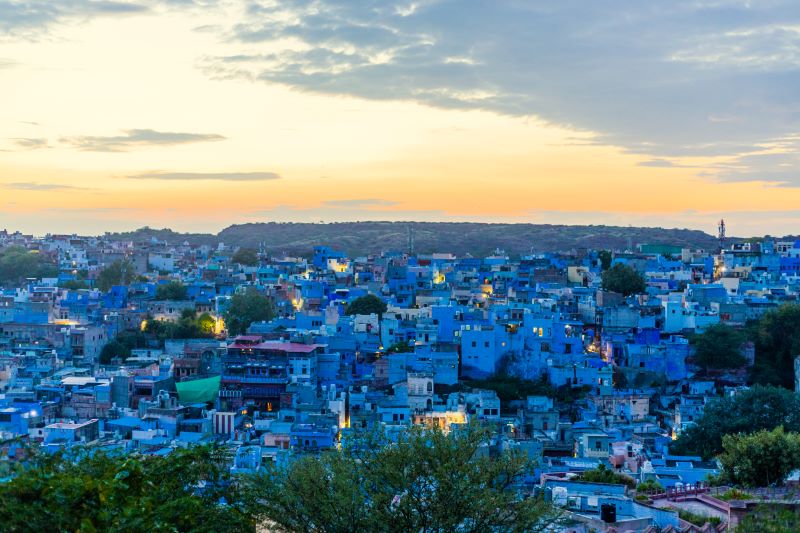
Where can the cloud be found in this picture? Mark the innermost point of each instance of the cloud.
(35, 186)
(31, 18)
(7, 63)
(30, 143)
(690, 78)
(218, 176)
(658, 163)
(360, 202)
(137, 138)
(776, 162)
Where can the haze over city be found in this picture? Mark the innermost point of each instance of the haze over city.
(199, 114)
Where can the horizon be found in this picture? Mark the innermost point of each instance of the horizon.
(230, 112)
(215, 233)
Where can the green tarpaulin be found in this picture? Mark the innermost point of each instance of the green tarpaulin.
(198, 390)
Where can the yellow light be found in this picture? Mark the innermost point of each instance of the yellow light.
(143, 325)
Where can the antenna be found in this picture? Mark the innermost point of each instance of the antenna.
(721, 234)
(410, 239)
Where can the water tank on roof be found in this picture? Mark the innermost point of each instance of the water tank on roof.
(608, 513)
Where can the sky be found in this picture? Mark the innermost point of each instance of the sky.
(198, 114)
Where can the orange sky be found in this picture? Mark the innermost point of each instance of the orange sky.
(70, 158)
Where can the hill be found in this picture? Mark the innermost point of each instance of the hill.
(460, 238)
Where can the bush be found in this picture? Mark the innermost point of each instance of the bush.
(697, 519)
(650, 485)
(735, 494)
(603, 474)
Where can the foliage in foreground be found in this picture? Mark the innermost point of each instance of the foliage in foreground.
(87, 490)
(426, 481)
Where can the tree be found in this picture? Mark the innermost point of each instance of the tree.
(74, 284)
(777, 342)
(122, 345)
(400, 347)
(245, 256)
(17, 263)
(172, 290)
(719, 346)
(188, 326)
(426, 481)
(120, 272)
(760, 459)
(605, 258)
(367, 305)
(112, 350)
(624, 280)
(247, 307)
(89, 490)
(207, 324)
(748, 411)
(603, 474)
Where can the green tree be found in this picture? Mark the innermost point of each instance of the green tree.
(74, 284)
(207, 324)
(247, 307)
(245, 256)
(114, 349)
(748, 411)
(777, 342)
(366, 305)
(188, 326)
(623, 279)
(719, 346)
(172, 290)
(605, 258)
(400, 347)
(17, 264)
(120, 272)
(426, 481)
(603, 474)
(760, 459)
(122, 345)
(88, 490)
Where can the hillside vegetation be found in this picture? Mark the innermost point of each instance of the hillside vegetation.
(460, 238)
